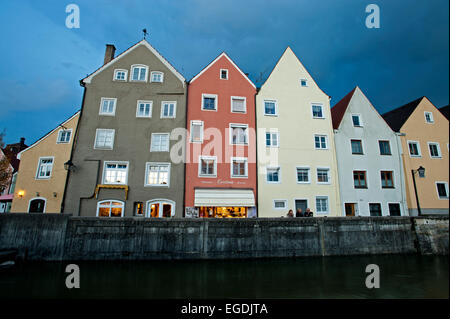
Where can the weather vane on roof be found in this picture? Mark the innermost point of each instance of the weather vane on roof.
(145, 33)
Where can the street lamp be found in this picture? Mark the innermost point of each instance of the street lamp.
(421, 171)
(69, 166)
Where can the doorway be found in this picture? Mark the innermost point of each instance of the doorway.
(37, 205)
(350, 209)
(302, 204)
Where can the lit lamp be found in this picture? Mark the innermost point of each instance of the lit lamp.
(21, 193)
(421, 171)
(69, 166)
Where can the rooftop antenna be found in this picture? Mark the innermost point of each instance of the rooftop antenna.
(145, 33)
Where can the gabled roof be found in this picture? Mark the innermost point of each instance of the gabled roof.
(11, 152)
(223, 54)
(148, 46)
(445, 111)
(338, 110)
(397, 117)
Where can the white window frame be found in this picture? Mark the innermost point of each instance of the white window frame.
(139, 66)
(245, 159)
(312, 110)
(390, 147)
(238, 98)
(306, 82)
(117, 163)
(58, 141)
(39, 167)
(362, 146)
(309, 174)
(214, 158)
(163, 103)
(394, 182)
(112, 141)
(418, 149)
(35, 198)
(148, 164)
(154, 73)
(201, 131)
(279, 174)
(220, 74)
(360, 120)
(160, 201)
(328, 175)
(280, 200)
(389, 210)
(264, 107)
(446, 189)
(216, 101)
(150, 111)
(431, 117)
(326, 141)
(239, 125)
(328, 204)
(100, 112)
(438, 149)
(271, 133)
(120, 70)
(381, 208)
(110, 200)
(168, 144)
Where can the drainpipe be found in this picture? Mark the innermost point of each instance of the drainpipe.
(398, 136)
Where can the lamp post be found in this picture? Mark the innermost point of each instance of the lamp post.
(421, 171)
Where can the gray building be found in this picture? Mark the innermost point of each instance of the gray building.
(133, 113)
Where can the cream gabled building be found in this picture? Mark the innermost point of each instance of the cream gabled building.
(297, 165)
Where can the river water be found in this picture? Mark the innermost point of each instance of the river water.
(401, 276)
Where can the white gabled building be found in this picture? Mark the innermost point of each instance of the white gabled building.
(369, 159)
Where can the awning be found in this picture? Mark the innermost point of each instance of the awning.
(7, 197)
(224, 197)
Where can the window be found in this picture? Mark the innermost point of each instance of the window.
(385, 148)
(414, 149)
(160, 142)
(270, 108)
(357, 147)
(37, 205)
(323, 176)
(144, 109)
(356, 120)
(110, 208)
(45, 167)
(273, 175)
(394, 209)
(302, 175)
(239, 167)
(442, 189)
(322, 204)
(138, 209)
(303, 82)
(207, 166)
(272, 139)
(168, 110)
(317, 111)
(238, 104)
(196, 131)
(279, 203)
(108, 106)
(239, 134)
(115, 173)
(161, 208)
(104, 139)
(375, 209)
(209, 102)
(139, 73)
(387, 180)
(64, 136)
(120, 75)
(156, 76)
(320, 141)
(224, 74)
(157, 174)
(435, 150)
(429, 117)
(359, 179)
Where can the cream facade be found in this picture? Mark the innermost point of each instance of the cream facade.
(42, 177)
(296, 153)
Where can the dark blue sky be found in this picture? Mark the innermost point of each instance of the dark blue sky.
(42, 61)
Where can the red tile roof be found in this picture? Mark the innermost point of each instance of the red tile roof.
(338, 110)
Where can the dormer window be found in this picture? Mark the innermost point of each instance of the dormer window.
(120, 75)
(429, 117)
(157, 77)
(303, 82)
(139, 73)
(224, 74)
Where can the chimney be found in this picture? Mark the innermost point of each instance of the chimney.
(109, 53)
(22, 141)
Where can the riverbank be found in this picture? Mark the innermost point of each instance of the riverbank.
(58, 237)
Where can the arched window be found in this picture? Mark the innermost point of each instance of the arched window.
(156, 76)
(37, 205)
(110, 208)
(139, 73)
(160, 208)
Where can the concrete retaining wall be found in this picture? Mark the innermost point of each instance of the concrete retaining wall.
(62, 237)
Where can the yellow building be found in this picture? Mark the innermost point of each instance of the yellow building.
(424, 135)
(41, 179)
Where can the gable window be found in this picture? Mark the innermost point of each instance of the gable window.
(273, 175)
(414, 149)
(442, 189)
(157, 174)
(156, 76)
(303, 82)
(104, 139)
(279, 203)
(120, 75)
(272, 139)
(270, 107)
(64, 136)
(375, 209)
(144, 109)
(107, 106)
(239, 167)
(385, 147)
(45, 167)
(110, 208)
(207, 166)
(322, 204)
(239, 134)
(302, 175)
(115, 173)
(139, 73)
(196, 131)
(435, 150)
(429, 117)
(394, 209)
(357, 147)
(356, 119)
(317, 111)
(209, 102)
(160, 142)
(168, 110)
(359, 179)
(387, 179)
(320, 142)
(238, 104)
(224, 74)
(323, 176)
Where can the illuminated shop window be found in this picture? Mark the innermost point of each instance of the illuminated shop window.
(160, 208)
(110, 208)
(223, 212)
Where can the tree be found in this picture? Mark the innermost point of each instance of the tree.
(5, 167)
